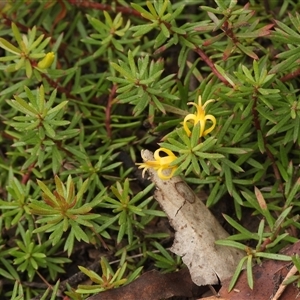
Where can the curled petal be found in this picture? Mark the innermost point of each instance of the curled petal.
(167, 151)
(160, 163)
(208, 101)
(143, 166)
(161, 171)
(186, 119)
(200, 117)
(193, 103)
(211, 128)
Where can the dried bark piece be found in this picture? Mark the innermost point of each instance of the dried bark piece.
(196, 230)
(268, 277)
(213, 298)
(153, 285)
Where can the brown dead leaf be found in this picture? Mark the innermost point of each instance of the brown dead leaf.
(267, 279)
(196, 230)
(153, 285)
(213, 298)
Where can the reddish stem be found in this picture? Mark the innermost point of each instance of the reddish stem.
(26, 176)
(108, 109)
(264, 245)
(105, 7)
(290, 76)
(207, 60)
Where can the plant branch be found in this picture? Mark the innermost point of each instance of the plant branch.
(105, 7)
(268, 152)
(108, 109)
(290, 76)
(207, 60)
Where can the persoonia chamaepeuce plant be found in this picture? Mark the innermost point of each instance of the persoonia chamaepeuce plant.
(210, 86)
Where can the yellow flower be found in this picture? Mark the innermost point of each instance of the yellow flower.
(160, 164)
(47, 61)
(199, 117)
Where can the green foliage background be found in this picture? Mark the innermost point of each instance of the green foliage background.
(122, 75)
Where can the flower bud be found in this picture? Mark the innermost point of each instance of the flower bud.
(47, 61)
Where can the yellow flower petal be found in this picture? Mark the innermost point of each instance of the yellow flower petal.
(200, 117)
(207, 102)
(160, 163)
(211, 128)
(161, 173)
(186, 119)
